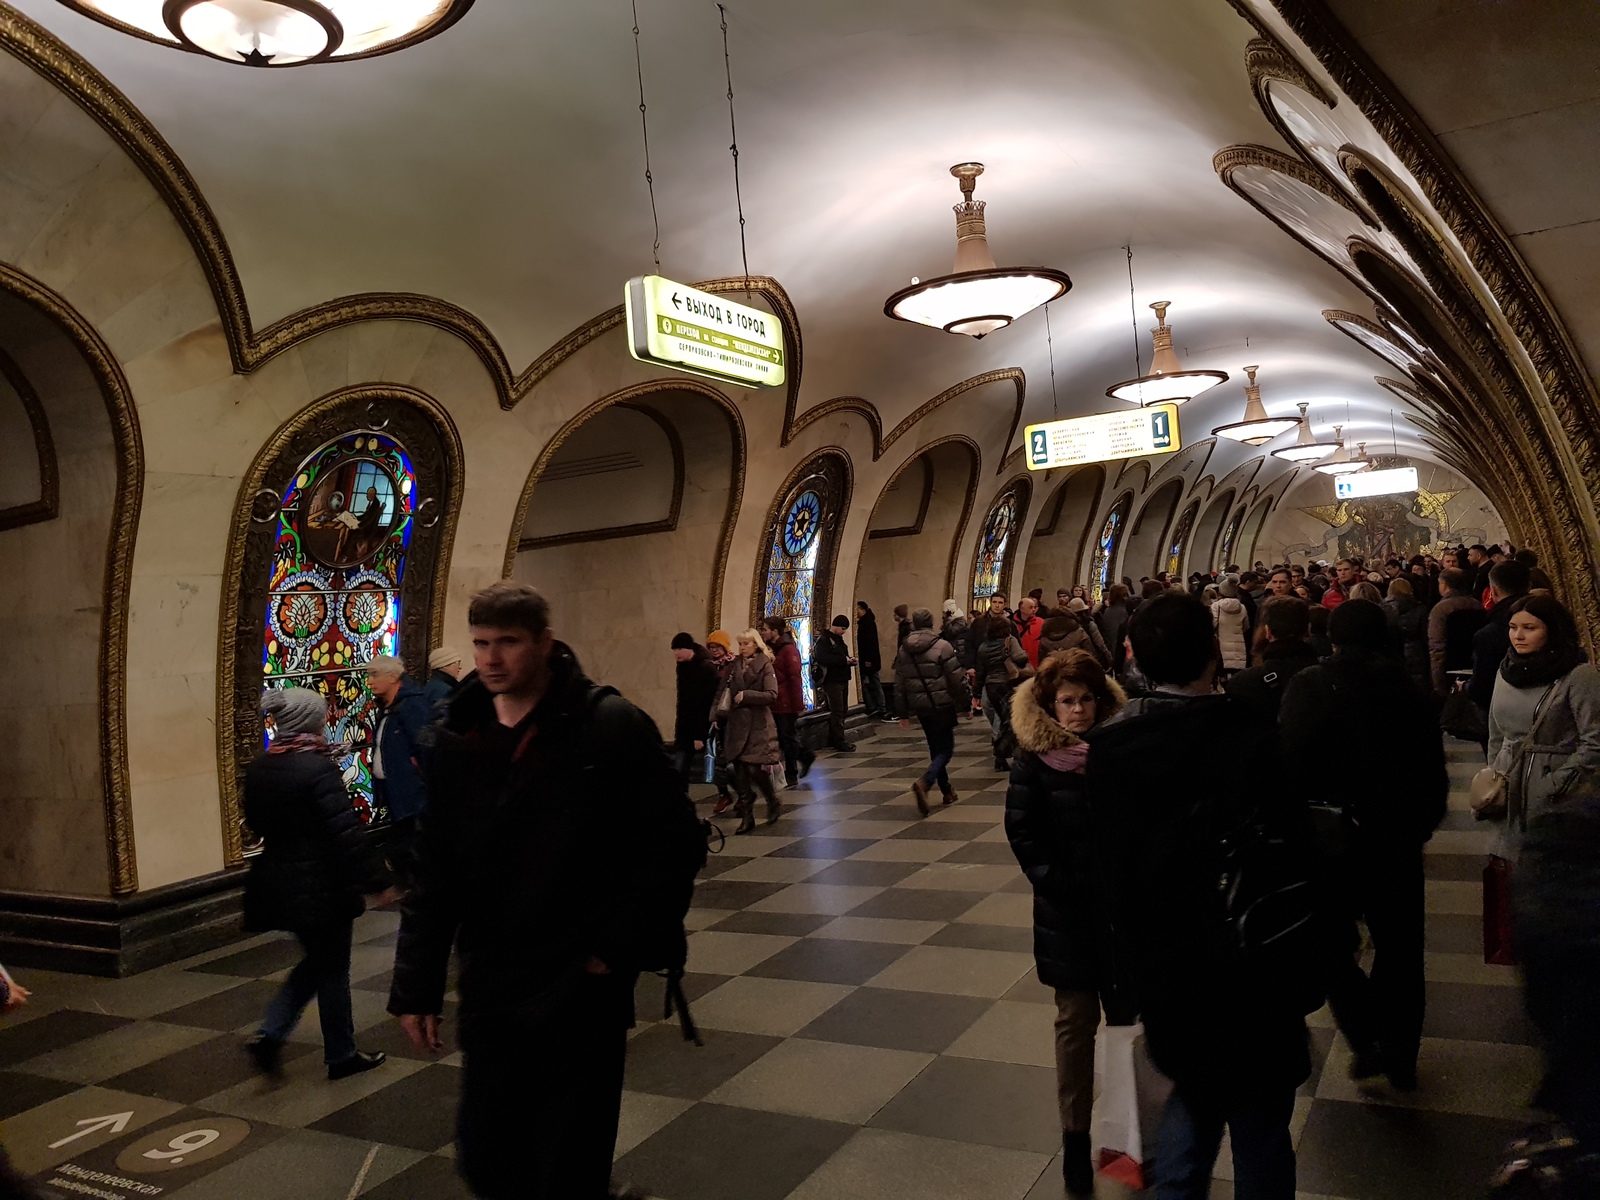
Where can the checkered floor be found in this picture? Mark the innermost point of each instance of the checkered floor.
(872, 1024)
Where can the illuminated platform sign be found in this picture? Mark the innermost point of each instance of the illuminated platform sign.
(1375, 483)
(1103, 437)
(686, 329)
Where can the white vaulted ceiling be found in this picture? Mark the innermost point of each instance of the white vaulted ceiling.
(499, 166)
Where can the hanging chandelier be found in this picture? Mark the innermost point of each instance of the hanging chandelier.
(977, 297)
(1257, 429)
(1305, 448)
(1341, 463)
(1168, 382)
(278, 33)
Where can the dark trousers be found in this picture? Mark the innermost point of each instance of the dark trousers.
(1383, 1013)
(838, 703)
(872, 693)
(541, 1094)
(789, 744)
(399, 850)
(1563, 999)
(324, 972)
(1191, 1134)
(940, 732)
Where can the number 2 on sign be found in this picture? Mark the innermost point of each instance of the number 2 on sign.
(188, 1143)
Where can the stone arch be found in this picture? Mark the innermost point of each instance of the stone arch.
(1146, 545)
(1061, 538)
(905, 531)
(1208, 533)
(1018, 493)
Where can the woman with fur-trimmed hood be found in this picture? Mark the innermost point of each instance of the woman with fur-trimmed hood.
(1049, 824)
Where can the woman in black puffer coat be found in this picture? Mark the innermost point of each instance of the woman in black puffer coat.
(1049, 824)
(314, 868)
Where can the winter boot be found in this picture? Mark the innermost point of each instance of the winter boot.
(1076, 1169)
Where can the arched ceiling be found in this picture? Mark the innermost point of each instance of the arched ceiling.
(498, 166)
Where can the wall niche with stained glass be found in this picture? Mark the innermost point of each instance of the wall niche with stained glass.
(1180, 538)
(795, 577)
(997, 543)
(1102, 569)
(345, 536)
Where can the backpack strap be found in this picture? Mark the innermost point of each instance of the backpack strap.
(677, 1000)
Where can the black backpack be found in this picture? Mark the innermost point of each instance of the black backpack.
(677, 840)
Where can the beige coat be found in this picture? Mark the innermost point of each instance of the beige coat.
(1228, 618)
(749, 733)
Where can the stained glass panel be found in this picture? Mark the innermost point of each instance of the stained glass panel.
(1180, 538)
(333, 602)
(1230, 538)
(1105, 549)
(792, 575)
(990, 572)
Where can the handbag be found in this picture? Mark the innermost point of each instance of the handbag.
(1127, 1109)
(1463, 719)
(1497, 949)
(1488, 795)
(713, 744)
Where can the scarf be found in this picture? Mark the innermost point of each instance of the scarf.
(1067, 758)
(1542, 667)
(310, 743)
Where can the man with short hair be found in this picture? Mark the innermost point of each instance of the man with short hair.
(1167, 777)
(786, 709)
(830, 658)
(1285, 622)
(536, 852)
(1508, 583)
(997, 606)
(397, 787)
(1346, 576)
(1029, 626)
(1479, 563)
(1452, 624)
(1281, 583)
(697, 679)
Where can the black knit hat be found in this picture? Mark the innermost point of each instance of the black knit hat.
(1359, 624)
(682, 641)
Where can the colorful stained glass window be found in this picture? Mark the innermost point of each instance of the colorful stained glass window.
(1105, 549)
(1180, 538)
(999, 532)
(1230, 539)
(792, 575)
(333, 603)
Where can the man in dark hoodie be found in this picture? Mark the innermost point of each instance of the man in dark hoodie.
(697, 689)
(869, 658)
(830, 663)
(1285, 624)
(1164, 780)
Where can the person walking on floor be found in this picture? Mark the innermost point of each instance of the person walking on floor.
(1051, 831)
(869, 658)
(786, 709)
(1232, 625)
(403, 711)
(444, 675)
(719, 649)
(697, 680)
(554, 811)
(309, 879)
(1363, 697)
(831, 663)
(1228, 1030)
(1282, 652)
(1001, 665)
(931, 685)
(749, 734)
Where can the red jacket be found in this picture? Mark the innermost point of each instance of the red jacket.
(1028, 634)
(786, 665)
(1333, 597)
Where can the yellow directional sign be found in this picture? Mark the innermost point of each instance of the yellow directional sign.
(1103, 437)
(677, 326)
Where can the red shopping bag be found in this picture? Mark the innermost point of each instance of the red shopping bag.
(1497, 949)
(1128, 1104)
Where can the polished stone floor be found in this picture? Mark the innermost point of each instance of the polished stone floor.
(872, 1028)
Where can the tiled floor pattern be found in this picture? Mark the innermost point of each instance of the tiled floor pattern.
(872, 1024)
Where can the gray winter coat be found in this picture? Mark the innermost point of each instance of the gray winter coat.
(929, 678)
(1545, 757)
(749, 733)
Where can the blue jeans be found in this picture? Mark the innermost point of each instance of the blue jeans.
(324, 973)
(1191, 1134)
(872, 693)
(940, 730)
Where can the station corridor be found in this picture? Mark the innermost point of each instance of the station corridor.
(864, 984)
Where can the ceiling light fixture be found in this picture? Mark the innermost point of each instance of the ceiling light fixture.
(1341, 463)
(278, 33)
(1257, 429)
(1305, 448)
(1168, 382)
(977, 297)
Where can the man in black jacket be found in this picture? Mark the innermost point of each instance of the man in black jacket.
(1285, 620)
(869, 657)
(1166, 779)
(697, 690)
(1362, 698)
(532, 866)
(831, 657)
(1508, 583)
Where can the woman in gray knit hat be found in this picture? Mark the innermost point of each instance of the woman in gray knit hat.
(314, 868)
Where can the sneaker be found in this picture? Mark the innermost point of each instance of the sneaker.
(722, 805)
(888, 720)
(361, 1060)
(920, 791)
(266, 1052)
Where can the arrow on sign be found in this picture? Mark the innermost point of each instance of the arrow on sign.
(676, 303)
(116, 1123)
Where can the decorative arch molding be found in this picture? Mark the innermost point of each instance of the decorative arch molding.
(1128, 468)
(1256, 523)
(830, 468)
(129, 448)
(48, 506)
(1222, 505)
(976, 466)
(637, 396)
(1109, 548)
(1186, 458)
(1178, 546)
(424, 426)
(869, 413)
(1019, 490)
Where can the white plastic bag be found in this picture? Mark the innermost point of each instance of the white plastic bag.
(1130, 1093)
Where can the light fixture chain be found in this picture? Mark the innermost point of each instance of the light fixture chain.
(1133, 315)
(733, 129)
(644, 128)
(1055, 405)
